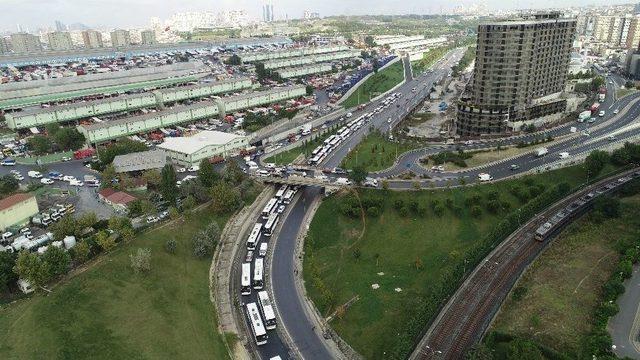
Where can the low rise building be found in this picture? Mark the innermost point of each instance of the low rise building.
(140, 161)
(188, 151)
(17, 210)
(118, 199)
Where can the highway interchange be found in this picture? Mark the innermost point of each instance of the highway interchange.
(290, 308)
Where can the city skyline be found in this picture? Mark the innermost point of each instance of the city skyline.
(44, 14)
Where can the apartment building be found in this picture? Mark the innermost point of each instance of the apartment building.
(120, 38)
(92, 39)
(5, 45)
(59, 40)
(24, 43)
(148, 37)
(520, 72)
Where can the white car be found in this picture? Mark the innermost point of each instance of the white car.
(601, 113)
(616, 111)
(263, 173)
(7, 235)
(193, 168)
(68, 178)
(152, 219)
(18, 177)
(66, 158)
(181, 170)
(46, 181)
(280, 209)
(75, 182)
(34, 174)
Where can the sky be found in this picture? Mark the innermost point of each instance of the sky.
(32, 14)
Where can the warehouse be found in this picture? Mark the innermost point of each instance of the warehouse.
(139, 161)
(304, 60)
(109, 130)
(272, 55)
(122, 103)
(297, 71)
(189, 151)
(16, 210)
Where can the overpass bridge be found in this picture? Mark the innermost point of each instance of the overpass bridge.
(300, 181)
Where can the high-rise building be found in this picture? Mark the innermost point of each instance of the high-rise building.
(59, 40)
(25, 43)
(60, 26)
(120, 38)
(148, 37)
(92, 39)
(5, 45)
(271, 12)
(520, 72)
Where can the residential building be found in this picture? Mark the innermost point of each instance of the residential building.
(120, 38)
(118, 199)
(5, 45)
(190, 150)
(17, 210)
(24, 43)
(59, 40)
(140, 161)
(519, 76)
(92, 39)
(632, 64)
(148, 37)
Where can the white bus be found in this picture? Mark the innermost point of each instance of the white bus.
(254, 237)
(257, 328)
(245, 284)
(271, 224)
(258, 278)
(288, 196)
(281, 191)
(267, 310)
(316, 150)
(268, 208)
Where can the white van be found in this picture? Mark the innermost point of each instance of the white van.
(263, 249)
(34, 174)
(25, 286)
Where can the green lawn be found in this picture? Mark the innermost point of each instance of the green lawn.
(345, 256)
(562, 288)
(108, 312)
(377, 84)
(375, 152)
(428, 59)
(624, 92)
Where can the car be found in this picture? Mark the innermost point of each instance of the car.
(611, 138)
(18, 177)
(263, 173)
(193, 168)
(601, 113)
(514, 167)
(616, 111)
(15, 172)
(8, 162)
(181, 170)
(591, 120)
(152, 219)
(163, 215)
(46, 181)
(280, 209)
(389, 120)
(249, 256)
(75, 182)
(68, 178)
(339, 171)
(322, 177)
(25, 230)
(7, 235)
(66, 158)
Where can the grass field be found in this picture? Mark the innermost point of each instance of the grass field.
(376, 152)
(345, 256)
(377, 84)
(561, 289)
(428, 59)
(624, 92)
(108, 312)
(485, 157)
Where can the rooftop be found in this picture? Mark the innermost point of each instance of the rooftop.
(14, 200)
(191, 144)
(145, 160)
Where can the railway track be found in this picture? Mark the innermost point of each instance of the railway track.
(467, 315)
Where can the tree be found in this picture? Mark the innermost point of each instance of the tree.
(597, 82)
(105, 240)
(226, 198)
(67, 226)
(8, 184)
(153, 178)
(358, 175)
(369, 41)
(173, 213)
(81, 252)
(168, 186)
(121, 225)
(69, 138)
(122, 147)
(207, 174)
(595, 162)
(40, 144)
(31, 268)
(309, 90)
(206, 240)
(52, 128)
(141, 260)
(7, 275)
(108, 175)
(232, 173)
(57, 261)
(233, 60)
(171, 245)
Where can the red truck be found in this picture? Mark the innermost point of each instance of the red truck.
(84, 153)
(216, 159)
(594, 108)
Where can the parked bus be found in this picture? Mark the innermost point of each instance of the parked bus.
(281, 191)
(254, 237)
(258, 278)
(288, 196)
(271, 224)
(257, 328)
(268, 208)
(267, 310)
(245, 283)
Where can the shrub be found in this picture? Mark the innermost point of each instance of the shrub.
(373, 211)
(438, 210)
(141, 261)
(171, 246)
(476, 211)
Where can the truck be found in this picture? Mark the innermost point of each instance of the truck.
(584, 116)
(84, 153)
(594, 108)
(541, 151)
(602, 93)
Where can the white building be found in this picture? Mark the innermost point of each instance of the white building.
(190, 150)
